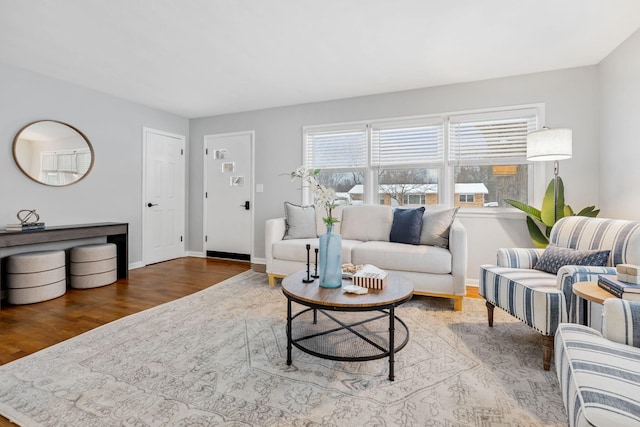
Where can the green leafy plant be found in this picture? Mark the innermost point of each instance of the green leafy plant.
(540, 221)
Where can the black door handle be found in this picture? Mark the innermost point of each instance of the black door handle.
(246, 205)
(151, 204)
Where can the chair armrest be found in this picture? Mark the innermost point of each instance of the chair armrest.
(518, 257)
(274, 230)
(570, 274)
(458, 249)
(619, 318)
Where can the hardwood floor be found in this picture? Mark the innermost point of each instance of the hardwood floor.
(25, 329)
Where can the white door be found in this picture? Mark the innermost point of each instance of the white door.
(228, 205)
(163, 196)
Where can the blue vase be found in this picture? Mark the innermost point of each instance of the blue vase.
(330, 254)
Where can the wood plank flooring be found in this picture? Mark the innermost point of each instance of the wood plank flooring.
(25, 329)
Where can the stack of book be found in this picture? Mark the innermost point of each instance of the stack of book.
(370, 277)
(618, 288)
(25, 227)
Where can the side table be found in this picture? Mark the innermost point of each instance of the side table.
(590, 291)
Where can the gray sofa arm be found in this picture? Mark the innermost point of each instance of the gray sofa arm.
(458, 249)
(274, 230)
(519, 257)
(621, 321)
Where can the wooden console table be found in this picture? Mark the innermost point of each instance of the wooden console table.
(115, 232)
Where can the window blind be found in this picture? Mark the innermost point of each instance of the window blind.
(341, 148)
(407, 143)
(499, 137)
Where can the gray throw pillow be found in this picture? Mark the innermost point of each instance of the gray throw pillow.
(300, 221)
(555, 257)
(435, 227)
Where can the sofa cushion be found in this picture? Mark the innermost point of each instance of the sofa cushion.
(402, 257)
(406, 226)
(555, 257)
(435, 227)
(300, 221)
(367, 222)
(295, 250)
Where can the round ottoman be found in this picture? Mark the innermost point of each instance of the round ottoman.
(93, 265)
(35, 277)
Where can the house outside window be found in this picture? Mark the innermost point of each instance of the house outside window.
(426, 159)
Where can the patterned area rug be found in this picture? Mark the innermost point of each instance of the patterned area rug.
(218, 357)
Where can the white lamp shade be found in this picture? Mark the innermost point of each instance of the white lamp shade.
(549, 144)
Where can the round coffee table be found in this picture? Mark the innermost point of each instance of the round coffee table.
(354, 336)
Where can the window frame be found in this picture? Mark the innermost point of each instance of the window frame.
(536, 170)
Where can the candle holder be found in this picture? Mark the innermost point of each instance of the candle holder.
(315, 269)
(308, 279)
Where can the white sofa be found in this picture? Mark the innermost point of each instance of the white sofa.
(365, 230)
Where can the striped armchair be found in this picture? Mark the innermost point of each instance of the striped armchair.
(543, 300)
(599, 374)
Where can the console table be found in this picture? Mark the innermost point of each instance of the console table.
(115, 232)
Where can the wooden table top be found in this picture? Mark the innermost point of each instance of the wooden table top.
(398, 289)
(591, 292)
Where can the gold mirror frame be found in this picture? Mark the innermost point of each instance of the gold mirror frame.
(53, 153)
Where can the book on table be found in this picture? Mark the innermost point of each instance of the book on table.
(624, 290)
(25, 227)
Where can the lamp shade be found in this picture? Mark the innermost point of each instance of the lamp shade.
(549, 144)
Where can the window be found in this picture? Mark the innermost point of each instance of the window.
(472, 159)
(62, 167)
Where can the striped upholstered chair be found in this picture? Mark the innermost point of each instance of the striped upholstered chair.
(543, 300)
(599, 374)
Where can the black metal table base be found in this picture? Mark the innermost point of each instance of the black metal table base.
(331, 336)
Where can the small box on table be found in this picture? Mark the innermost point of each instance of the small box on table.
(370, 277)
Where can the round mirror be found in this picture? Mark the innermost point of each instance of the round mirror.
(53, 153)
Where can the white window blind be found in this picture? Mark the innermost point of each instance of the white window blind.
(407, 143)
(338, 148)
(498, 137)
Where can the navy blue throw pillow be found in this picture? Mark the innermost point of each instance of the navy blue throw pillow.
(406, 226)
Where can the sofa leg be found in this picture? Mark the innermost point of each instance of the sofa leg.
(547, 351)
(457, 303)
(490, 308)
(272, 280)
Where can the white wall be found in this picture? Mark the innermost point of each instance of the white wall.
(571, 98)
(619, 134)
(112, 192)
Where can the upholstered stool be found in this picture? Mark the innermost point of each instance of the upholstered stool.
(93, 265)
(35, 276)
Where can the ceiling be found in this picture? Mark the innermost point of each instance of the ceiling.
(200, 58)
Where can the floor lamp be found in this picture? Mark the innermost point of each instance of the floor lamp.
(550, 144)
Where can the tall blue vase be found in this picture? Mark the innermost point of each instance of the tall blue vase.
(330, 254)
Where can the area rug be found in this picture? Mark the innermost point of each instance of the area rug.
(218, 357)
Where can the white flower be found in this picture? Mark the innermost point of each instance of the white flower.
(324, 196)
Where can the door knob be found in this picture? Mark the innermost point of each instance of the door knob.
(246, 205)
(151, 204)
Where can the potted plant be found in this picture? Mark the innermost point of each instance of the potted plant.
(540, 221)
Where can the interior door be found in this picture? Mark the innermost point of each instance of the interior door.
(164, 196)
(228, 195)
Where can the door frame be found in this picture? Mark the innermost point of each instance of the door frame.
(145, 224)
(205, 175)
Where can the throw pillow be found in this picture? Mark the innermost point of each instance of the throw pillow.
(406, 226)
(300, 221)
(435, 227)
(555, 257)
